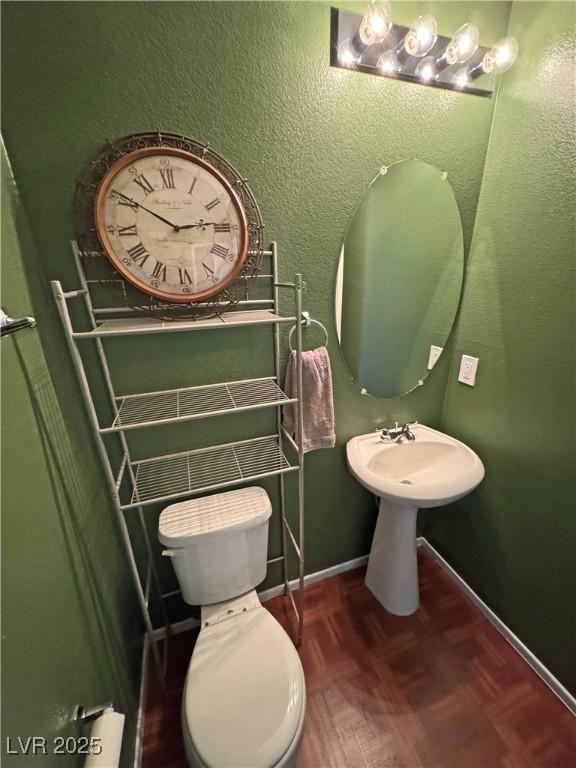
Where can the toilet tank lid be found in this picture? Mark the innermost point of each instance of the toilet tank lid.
(183, 523)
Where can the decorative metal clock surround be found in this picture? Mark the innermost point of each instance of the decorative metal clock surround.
(170, 224)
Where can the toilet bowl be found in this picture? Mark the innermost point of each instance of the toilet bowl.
(244, 697)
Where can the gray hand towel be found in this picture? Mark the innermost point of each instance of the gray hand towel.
(317, 400)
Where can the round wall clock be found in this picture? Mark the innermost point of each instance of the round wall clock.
(174, 220)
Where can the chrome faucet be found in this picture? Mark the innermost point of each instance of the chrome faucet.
(398, 433)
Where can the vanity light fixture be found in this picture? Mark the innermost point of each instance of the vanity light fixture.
(372, 43)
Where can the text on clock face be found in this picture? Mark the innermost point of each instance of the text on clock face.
(172, 223)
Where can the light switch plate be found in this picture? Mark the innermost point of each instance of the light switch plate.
(468, 368)
(435, 353)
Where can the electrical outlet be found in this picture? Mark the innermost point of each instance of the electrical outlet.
(435, 353)
(468, 368)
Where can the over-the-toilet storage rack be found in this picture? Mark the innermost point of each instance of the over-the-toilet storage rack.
(176, 476)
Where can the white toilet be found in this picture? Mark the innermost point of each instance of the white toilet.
(244, 697)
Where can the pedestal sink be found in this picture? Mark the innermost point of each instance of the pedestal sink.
(430, 471)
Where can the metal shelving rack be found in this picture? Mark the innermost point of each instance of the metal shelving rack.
(135, 485)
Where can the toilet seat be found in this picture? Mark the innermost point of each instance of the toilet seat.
(244, 697)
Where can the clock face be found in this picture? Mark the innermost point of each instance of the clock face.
(171, 224)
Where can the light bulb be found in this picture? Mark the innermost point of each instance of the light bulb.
(501, 56)
(421, 37)
(461, 78)
(346, 58)
(375, 23)
(463, 44)
(426, 70)
(387, 63)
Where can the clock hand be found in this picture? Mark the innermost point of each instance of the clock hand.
(175, 227)
(200, 224)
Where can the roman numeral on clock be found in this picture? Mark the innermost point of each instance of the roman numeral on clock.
(184, 276)
(159, 271)
(130, 230)
(212, 204)
(209, 272)
(167, 178)
(219, 250)
(194, 180)
(143, 182)
(224, 227)
(139, 254)
(123, 200)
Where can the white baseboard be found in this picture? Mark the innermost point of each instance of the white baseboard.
(533, 661)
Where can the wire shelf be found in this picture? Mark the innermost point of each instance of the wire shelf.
(153, 408)
(170, 477)
(145, 325)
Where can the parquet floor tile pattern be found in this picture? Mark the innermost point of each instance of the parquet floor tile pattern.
(438, 689)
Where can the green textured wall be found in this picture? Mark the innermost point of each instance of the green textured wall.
(69, 630)
(514, 538)
(254, 80)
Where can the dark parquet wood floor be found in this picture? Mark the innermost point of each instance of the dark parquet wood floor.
(438, 689)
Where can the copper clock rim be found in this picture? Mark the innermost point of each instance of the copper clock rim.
(99, 203)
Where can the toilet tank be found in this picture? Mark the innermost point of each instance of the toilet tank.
(218, 544)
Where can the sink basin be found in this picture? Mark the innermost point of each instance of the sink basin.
(431, 471)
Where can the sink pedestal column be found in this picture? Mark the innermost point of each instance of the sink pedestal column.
(392, 574)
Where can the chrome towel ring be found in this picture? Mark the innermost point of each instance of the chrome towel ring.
(306, 322)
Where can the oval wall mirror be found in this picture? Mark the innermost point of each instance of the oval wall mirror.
(399, 278)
